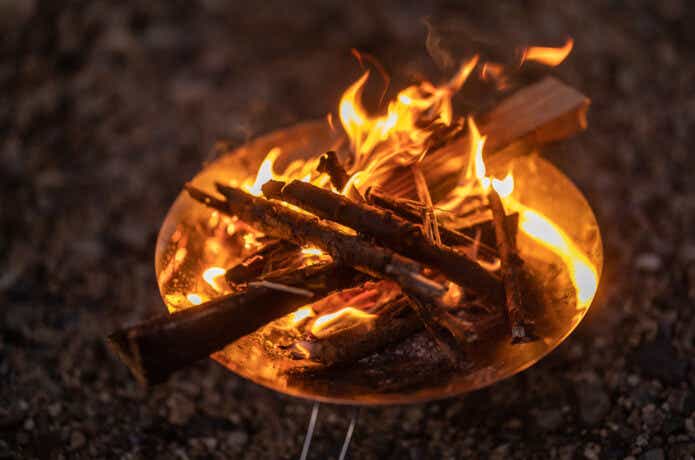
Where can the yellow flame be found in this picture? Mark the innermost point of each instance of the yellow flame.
(396, 137)
(210, 276)
(310, 251)
(195, 299)
(504, 187)
(344, 315)
(265, 173)
(301, 315)
(548, 55)
(583, 273)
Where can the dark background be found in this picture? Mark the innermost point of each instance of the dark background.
(107, 108)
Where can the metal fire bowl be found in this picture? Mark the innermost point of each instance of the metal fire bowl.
(408, 372)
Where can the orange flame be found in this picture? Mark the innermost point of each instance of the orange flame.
(548, 55)
(341, 318)
(265, 173)
(395, 138)
(582, 272)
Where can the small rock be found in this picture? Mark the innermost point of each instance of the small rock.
(77, 440)
(659, 359)
(29, 424)
(648, 262)
(592, 451)
(682, 401)
(237, 439)
(181, 409)
(653, 454)
(54, 409)
(549, 419)
(594, 403)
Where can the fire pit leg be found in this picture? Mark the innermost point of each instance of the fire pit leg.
(348, 436)
(310, 431)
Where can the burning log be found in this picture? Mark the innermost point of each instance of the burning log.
(520, 324)
(272, 254)
(395, 322)
(157, 347)
(329, 164)
(538, 114)
(390, 231)
(278, 221)
(409, 210)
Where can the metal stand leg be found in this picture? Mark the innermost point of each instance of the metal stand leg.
(348, 435)
(310, 431)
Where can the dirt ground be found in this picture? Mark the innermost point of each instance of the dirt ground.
(107, 108)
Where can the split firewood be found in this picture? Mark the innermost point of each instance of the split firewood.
(157, 347)
(329, 164)
(278, 221)
(389, 231)
(511, 265)
(538, 114)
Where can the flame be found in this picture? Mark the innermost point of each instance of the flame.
(311, 251)
(345, 315)
(210, 276)
(300, 315)
(504, 187)
(195, 299)
(265, 173)
(540, 228)
(548, 55)
(583, 274)
(396, 137)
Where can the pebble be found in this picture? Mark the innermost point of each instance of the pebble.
(54, 409)
(653, 454)
(594, 403)
(77, 440)
(237, 439)
(648, 262)
(181, 409)
(549, 419)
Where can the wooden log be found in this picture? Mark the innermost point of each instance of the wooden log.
(466, 236)
(273, 255)
(511, 265)
(543, 112)
(389, 231)
(162, 345)
(329, 164)
(278, 221)
(395, 322)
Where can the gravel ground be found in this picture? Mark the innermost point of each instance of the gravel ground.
(107, 108)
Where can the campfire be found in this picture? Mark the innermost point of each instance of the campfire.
(398, 257)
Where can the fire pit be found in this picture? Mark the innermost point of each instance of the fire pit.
(420, 258)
